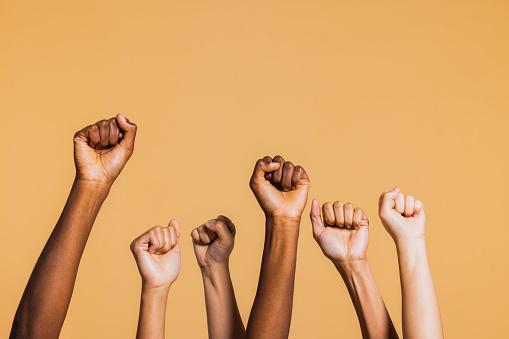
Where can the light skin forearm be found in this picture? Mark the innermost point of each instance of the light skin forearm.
(223, 316)
(44, 304)
(373, 317)
(421, 314)
(272, 309)
(151, 323)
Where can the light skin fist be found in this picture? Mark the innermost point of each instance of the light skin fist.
(213, 242)
(280, 187)
(101, 150)
(343, 233)
(157, 255)
(402, 216)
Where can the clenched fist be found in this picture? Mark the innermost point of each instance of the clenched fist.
(402, 216)
(280, 187)
(343, 234)
(213, 242)
(157, 255)
(101, 150)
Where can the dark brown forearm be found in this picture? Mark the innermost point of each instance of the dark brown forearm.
(44, 304)
(272, 309)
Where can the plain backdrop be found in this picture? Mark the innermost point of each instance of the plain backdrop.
(363, 95)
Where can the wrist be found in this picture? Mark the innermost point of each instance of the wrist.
(410, 244)
(290, 225)
(410, 250)
(216, 269)
(350, 267)
(98, 187)
(275, 217)
(155, 291)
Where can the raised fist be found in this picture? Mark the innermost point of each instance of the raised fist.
(157, 255)
(402, 216)
(213, 242)
(343, 234)
(280, 187)
(101, 150)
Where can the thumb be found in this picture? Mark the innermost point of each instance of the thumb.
(261, 168)
(316, 218)
(387, 198)
(174, 223)
(129, 130)
(220, 228)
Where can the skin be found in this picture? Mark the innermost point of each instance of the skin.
(343, 236)
(100, 153)
(157, 255)
(404, 219)
(213, 243)
(281, 190)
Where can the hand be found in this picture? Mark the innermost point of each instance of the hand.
(213, 242)
(280, 187)
(403, 217)
(101, 150)
(344, 237)
(157, 255)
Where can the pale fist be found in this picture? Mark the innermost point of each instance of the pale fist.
(280, 187)
(157, 255)
(402, 216)
(101, 150)
(343, 233)
(213, 242)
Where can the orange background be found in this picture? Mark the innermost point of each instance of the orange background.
(364, 95)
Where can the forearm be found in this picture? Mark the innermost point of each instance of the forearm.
(373, 317)
(272, 309)
(151, 323)
(421, 314)
(223, 316)
(46, 298)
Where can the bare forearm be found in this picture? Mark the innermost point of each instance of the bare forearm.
(44, 304)
(151, 323)
(223, 316)
(421, 314)
(373, 317)
(272, 309)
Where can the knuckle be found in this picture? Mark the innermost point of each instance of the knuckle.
(288, 165)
